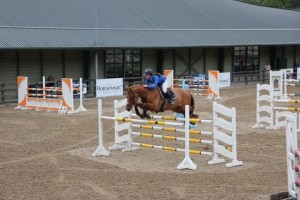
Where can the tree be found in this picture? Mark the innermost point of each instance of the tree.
(287, 4)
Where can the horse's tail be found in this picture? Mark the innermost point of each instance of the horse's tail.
(192, 107)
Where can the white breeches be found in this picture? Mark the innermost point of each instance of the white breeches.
(164, 86)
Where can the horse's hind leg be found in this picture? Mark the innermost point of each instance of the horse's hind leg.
(193, 115)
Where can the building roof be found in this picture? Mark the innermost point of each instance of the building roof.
(143, 24)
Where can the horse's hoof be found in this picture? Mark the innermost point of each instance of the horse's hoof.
(147, 116)
(142, 116)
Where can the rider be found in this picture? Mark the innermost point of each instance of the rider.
(155, 80)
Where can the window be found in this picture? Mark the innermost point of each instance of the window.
(119, 62)
(245, 59)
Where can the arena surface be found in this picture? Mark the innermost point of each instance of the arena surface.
(44, 155)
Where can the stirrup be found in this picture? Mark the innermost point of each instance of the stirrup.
(172, 94)
(171, 101)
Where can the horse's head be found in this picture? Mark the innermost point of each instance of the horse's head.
(132, 98)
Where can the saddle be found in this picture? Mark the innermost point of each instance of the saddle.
(168, 95)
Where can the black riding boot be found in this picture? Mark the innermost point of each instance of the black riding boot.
(169, 96)
(172, 94)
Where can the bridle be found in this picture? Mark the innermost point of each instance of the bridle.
(131, 102)
(132, 97)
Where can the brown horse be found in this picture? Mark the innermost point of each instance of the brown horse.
(152, 99)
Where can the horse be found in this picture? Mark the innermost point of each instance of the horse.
(153, 100)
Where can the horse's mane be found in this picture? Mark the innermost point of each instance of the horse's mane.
(135, 86)
(140, 89)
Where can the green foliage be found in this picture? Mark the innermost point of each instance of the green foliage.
(274, 3)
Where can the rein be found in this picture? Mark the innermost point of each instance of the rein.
(130, 92)
(161, 109)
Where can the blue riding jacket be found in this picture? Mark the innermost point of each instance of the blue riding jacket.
(155, 81)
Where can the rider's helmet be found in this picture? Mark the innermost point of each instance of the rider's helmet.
(148, 71)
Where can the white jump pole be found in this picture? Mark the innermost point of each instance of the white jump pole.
(187, 163)
(101, 150)
(285, 96)
(44, 85)
(80, 108)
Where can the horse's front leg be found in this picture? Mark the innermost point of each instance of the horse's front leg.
(140, 105)
(146, 107)
(146, 114)
(137, 112)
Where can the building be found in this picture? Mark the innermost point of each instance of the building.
(106, 38)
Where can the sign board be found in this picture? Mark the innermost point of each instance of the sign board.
(109, 87)
(224, 79)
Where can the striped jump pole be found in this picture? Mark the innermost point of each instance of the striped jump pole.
(166, 137)
(50, 89)
(190, 80)
(197, 152)
(287, 101)
(192, 120)
(193, 86)
(293, 84)
(125, 119)
(45, 95)
(292, 80)
(287, 108)
(294, 95)
(170, 129)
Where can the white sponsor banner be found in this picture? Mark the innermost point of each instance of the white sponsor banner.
(109, 87)
(224, 79)
(298, 73)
